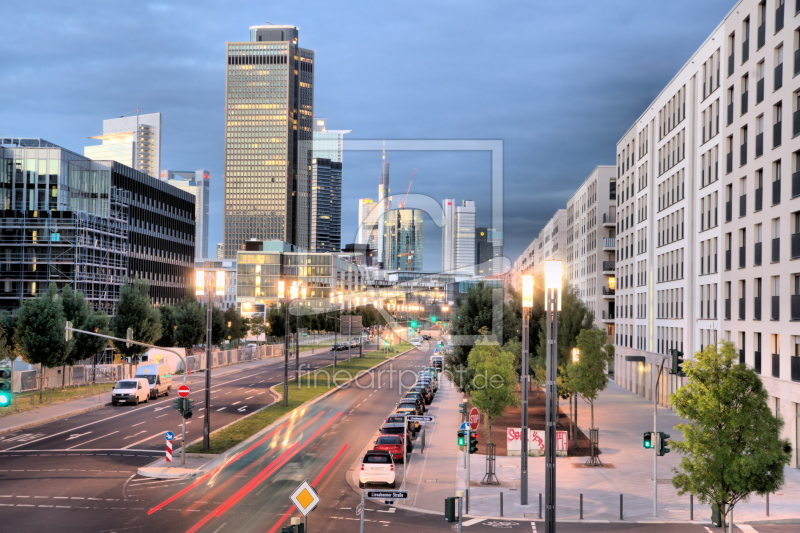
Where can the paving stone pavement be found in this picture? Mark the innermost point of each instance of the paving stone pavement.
(622, 417)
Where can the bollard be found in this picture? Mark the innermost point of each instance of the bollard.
(581, 506)
(33, 403)
(691, 506)
(768, 504)
(501, 503)
(540, 505)
(620, 507)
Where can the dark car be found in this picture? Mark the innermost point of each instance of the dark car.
(413, 427)
(422, 390)
(429, 383)
(417, 396)
(411, 402)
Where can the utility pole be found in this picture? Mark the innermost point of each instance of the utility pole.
(207, 412)
(656, 439)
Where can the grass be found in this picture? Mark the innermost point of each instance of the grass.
(232, 435)
(67, 395)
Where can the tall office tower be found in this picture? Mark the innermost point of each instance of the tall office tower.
(458, 237)
(367, 223)
(384, 202)
(220, 251)
(496, 240)
(484, 253)
(403, 239)
(195, 182)
(325, 209)
(133, 141)
(269, 103)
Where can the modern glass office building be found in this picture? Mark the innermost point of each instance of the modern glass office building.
(269, 109)
(196, 182)
(402, 234)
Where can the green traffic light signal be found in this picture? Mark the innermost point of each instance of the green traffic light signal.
(648, 439)
(414, 324)
(473, 443)
(461, 437)
(663, 439)
(5, 385)
(433, 319)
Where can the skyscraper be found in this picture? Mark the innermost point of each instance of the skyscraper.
(403, 239)
(367, 223)
(220, 251)
(483, 253)
(383, 207)
(458, 237)
(133, 141)
(269, 95)
(195, 182)
(324, 232)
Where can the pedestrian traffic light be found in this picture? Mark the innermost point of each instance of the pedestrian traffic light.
(188, 405)
(663, 439)
(450, 509)
(5, 385)
(177, 403)
(462, 408)
(648, 439)
(473, 442)
(461, 438)
(677, 362)
(414, 324)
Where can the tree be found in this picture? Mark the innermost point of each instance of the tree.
(219, 327)
(474, 315)
(257, 325)
(135, 310)
(588, 376)
(7, 346)
(493, 381)
(39, 330)
(168, 324)
(191, 320)
(237, 329)
(732, 446)
(88, 346)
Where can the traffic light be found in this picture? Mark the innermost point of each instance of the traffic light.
(462, 408)
(187, 408)
(473, 442)
(461, 438)
(677, 362)
(5, 385)
(648, 439)
(662, 443)
(414, 324)
(433, 318)
(177, 403)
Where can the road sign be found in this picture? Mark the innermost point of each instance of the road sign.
(169, 435)
(183, 391)
(305, 498)
(359, 509)
(465, 426)
(420, 418)
(387, 494)
(474, 418)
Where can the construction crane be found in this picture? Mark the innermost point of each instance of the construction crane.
(410, 256)
(403, 203)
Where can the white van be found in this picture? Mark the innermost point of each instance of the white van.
(158, 377)
(130, 390)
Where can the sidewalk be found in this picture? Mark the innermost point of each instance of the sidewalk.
(628, 471)
(49, 413)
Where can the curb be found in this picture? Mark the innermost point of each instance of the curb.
(225, 456)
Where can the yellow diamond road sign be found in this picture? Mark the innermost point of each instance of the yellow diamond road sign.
(305, 498)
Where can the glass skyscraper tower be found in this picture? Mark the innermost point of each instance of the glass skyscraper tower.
(269, 110)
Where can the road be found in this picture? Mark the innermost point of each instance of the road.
(83, 490)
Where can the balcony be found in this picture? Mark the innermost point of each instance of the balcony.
(776, 250)
(609, 267)
(760, 91)
(795, 184)
(728, 211)
(730, 113)
(729, 162)
(776, 134)
(757, 362)
(609, 244)
(776, 192)
(778, 77)
(757, 258)
(727, 308)
(730, 65)
(776, 308)
(727, 259)
(610, 218)
(607, 316)
(742, 257)
(759, 199)
(745, 51)
(757, 308)
(776, 365)
(744, 102)
(759, 145)
(741, 308)
(796, 121)
(762, 35)
(608, 294)
(795, 363)
(795, 245)
(743, 154)
(742, 205)
(779, 18)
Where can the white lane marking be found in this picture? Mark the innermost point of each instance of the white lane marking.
(76, 435)
(165, 414)
(746, 527)
(247, 398)
(221, 408)
(139, 424)
(242, 409)
(141, 441)
(472, 522)
(131, 436)
(88, 441)
(236, 403)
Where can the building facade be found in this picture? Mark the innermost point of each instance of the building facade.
(197, 183)
(458, 237)
(326, 205)
(591, 244)
(403, 239)
(133, 141)
(367, 223)
(269, 107)
(229, 267)
(220, 251)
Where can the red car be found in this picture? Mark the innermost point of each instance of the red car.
(392, 444)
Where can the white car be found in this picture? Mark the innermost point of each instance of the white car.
(130, 391)
(377, 467)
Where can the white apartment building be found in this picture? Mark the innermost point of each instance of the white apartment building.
(706, 251)
(552, 245)
(227, 265)
(133, 141)
(591, 244)
(458, 237)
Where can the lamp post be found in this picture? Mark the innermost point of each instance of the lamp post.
(229, 342)
(205, 284)
(297, 337)
(576, 358)
(527, 304)
(292, 296)
(553, 275)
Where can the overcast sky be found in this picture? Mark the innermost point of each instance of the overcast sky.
(558, 82)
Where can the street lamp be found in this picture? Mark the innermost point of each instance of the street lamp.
(527, 304)
(553, 278)
(293, 290)
(229, 342)
(297, 334)
(204, 284)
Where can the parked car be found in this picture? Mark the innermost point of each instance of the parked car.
(407, 409)
(130, 391)
(392, 444)
(413, 427)
(399, 429)
(158, 377)
(417, 397)
(427, 396)
(412, 403)
(377, 467)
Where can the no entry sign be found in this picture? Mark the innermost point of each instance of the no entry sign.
(183, 391)
(474, 418)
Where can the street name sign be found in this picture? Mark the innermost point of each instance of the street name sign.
(474, 418)
(183, 391)
(420, 418)
(387, 494)
(305, 498)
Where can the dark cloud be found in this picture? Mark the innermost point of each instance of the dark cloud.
(558, 82)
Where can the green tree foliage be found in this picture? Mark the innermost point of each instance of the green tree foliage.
(167, 313)
(39, 330)
(474, 315)
(493, 381)
(588, 376)
(732, 446)
(237, 329)
(7, 347)
(190, 317)
(219, 328)
(135, 310)
(274, 323)
(78, 311)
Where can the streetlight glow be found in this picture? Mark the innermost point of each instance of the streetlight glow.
(281, 288)
(303, 292)
(553, 276)
(293, 290)
(199, 283)
(220, 283)
(527, 291)
(576, 355)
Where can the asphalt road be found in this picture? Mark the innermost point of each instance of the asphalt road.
(82, 490)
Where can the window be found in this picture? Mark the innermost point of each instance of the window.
(730, 105)
(745, 85)
(760, 82)
(776, 240)
(759, 136)
(778, 67)
(777, 123)
(731, 47)
(745, 40)
(742, 197)
(776, 182)
(779, 9)
(759, 189)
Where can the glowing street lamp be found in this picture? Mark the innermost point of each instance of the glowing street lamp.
(527, 304)
(553, 280)
(576, 355)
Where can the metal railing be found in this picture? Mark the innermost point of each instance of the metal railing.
(795, 184)
(776, 308)
(795, 366)
(795, 245)
(727, 308)
(759, 199)
(757, 362)
(742, 257)
(759, 145)
(744, 102)
(757, 308)
(776, 133)
(778, 76)
(760, 90)
(727, 259)
(776, 365)
(609, 242)
(795, 306)
(608, 315)
(762, 36)
(757, 254)
(741, 357)
(728, 211)
(776, 250)
(742, 205)
(609, 266)
(743, 154)
(608, 292)
(610, 218)
(741, 309)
